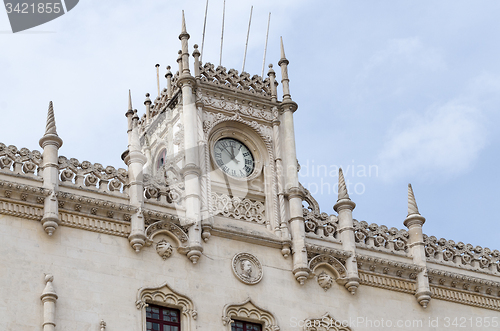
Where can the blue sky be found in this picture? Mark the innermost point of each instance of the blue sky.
(392, 91)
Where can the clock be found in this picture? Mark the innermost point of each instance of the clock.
(233, 157)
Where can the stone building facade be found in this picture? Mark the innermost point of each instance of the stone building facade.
(208, 228)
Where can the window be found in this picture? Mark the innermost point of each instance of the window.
(163, 319)
(245, 326)
(163, 309)
(162, 158)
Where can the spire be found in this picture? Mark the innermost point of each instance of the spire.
(285, 82)
(184, 33)
(184, 37)
(342, 187)
(283, 57)
(130, 100)
(343, 200)
(183, 23)
(412, 203)
(50, 129)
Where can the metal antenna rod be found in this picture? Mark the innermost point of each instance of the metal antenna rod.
(222, 35)
(204, 26)
(248, 35)
(265, 47)
(158, 77)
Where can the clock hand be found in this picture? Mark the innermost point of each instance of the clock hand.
(234, 157)
(231, 155)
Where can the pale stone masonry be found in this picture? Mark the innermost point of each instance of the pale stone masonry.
(193, 224)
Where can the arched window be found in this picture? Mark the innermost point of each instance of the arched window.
(162, 158)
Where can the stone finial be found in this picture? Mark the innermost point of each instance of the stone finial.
(50, 135)
(50, 128)
(283, 57)
(169, 73)
(343, 200)
(414, 216)
(412, 203)
(102, 325)
(49, 290)
(343, 194)
(196, 52)
(184, 33)
(148, 100)
(130, 102)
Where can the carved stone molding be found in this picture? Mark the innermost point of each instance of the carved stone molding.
(95, 224)
(248, 311)
(317, 249)
(387, 267)
(387, 282)
(247, 268)
(324, 323)
(243, 209)
(163, 295)
(465, 297)
(26, 211)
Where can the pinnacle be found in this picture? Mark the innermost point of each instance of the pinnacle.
(412, 203)
(50, 128)
(130, 101)
(50, 137)
(283, 57)
(184, 33)
(342, 187)
(183, 23)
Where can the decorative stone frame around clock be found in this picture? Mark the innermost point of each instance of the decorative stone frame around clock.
(164, 296)
(239, 132)
(249, 312)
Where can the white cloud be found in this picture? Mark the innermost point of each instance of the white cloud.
(443, 141)
(411, 51)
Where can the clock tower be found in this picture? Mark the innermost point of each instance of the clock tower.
(220, 154)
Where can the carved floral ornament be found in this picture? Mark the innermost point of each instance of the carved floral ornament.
(163, 295)
(325, 323)
(248, 311)
(247, 268)
(20, 161)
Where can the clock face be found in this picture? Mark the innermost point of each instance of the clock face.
(233, 157)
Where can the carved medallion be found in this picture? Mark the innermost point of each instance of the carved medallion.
(325, 280)
(247, 268)
(164, 249)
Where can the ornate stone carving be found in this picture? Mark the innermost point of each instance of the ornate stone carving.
(164, 295)
(233, 81)
(325, 280)
(247, 268)
(20, 161)
(166, 186)
(164, 249)
(325, 323)
(86, 174)
(242, 209)
(381, 237)
(248, 311)
(318, 223)
(464, 255)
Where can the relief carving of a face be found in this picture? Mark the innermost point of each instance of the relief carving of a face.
(247, 268)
